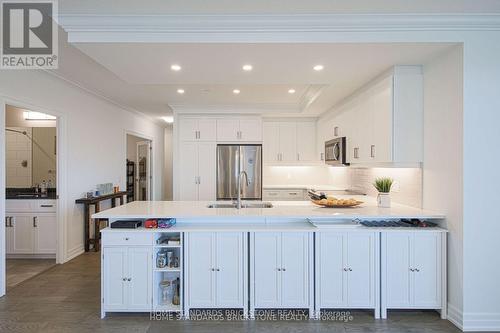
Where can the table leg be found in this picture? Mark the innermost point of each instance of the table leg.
(121, 200)
(113, 202)
(86, 218)
(97, 230)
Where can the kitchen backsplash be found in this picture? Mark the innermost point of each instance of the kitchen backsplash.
(406, 190)
(407, 187)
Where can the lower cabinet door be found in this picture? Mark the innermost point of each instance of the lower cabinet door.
(266, 276)
(230, 269)
(396, 269)
(45, 234)
(330, 249)
(115, 278)
(295, 270)
(361, 269)
(23, 234)
(201, 270)
(427, 269)
(139, 278)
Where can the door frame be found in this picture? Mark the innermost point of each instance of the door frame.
(61, 176)
(152, 169)
(146, 143)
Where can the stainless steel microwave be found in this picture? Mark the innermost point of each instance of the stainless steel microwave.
(336, 151)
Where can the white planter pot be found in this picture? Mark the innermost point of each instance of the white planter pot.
(384, 200)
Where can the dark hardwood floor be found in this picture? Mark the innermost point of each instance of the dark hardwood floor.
(65, 298)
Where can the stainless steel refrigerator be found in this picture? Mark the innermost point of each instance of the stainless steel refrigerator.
(231, 160)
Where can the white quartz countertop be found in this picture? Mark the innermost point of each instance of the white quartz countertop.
(280, 210)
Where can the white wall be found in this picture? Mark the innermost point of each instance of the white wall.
(168, 193)
(442, 168)
(481, 201)
(93, 136)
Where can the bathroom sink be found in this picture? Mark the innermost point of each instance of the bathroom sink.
(243, 205)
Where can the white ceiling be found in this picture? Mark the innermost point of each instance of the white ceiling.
(210, 72)
(275, 6)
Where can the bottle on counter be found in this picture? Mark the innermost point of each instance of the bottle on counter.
(44, 187)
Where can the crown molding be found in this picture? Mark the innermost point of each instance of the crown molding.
(211, 28)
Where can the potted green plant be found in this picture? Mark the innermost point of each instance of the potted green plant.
(383, 186)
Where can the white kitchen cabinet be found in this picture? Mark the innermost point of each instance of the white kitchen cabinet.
(23, 234)
(306, 141)
(127, 278)
(291, 194)
(216, 270)
(235, 129)
(383, 121)
(197, 129)
(197, 171)
(45, 233)
(281, 270)
(413, 271)
(347, 270)
(289, 142)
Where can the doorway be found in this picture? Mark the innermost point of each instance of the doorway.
(139, 177)
(31, 226)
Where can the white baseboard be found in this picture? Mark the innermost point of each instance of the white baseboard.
(455, 316)
(73, 253)
(486, 322)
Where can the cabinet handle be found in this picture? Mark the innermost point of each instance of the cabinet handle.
(356, 152)
(345, 269)
(279, 269)
(218, 269)
(372, 151)
(411, 269)
(283, 269)
(417, 270)
(129, 279)
(292, 193)
(350, 269)
(46, 206)
(34, 221)
(336, 131)
(12, 220)
(7, 222)
(212, 269)
(126, 238)
(298, 157)
(124, 279)
(322, 156)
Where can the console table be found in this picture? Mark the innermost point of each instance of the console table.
(96, 202)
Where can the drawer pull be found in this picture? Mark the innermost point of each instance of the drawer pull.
(292, 193)
(126, 238)
(46, 206)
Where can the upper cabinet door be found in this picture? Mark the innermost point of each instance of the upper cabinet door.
(115, 278)
(188, 129)
(361, 269)
(287, 141)
(396, 252)
(228, 130)
(206, 171)
(250, 130)
(306, 141)
(295, 270)
(139, 279)
(427, 269)
(330, 267)
(207, 129)
(200, 269)
(188, 171)
(381, 121)
(230, 269)
(271, 142)
(45, 234)
(267, 277)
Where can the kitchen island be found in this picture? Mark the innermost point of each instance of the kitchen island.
(294, 255)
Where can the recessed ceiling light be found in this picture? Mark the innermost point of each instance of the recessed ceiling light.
(168, 119)
(318, 68)
(247, 68)
(291, 91)
(180, 91)
(236, 91)
(175, 67)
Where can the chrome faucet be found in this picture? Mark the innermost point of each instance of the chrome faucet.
(238, 204)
